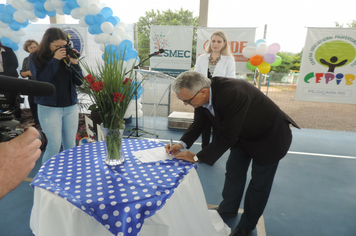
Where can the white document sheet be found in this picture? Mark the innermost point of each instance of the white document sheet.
(152, 155)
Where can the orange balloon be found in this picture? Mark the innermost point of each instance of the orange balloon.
(256, 60)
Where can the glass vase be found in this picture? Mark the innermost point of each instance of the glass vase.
(113, 141)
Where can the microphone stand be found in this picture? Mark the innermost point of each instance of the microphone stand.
(136, 129)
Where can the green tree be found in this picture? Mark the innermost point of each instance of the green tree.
(181, 17)
(296, 60)
(290, 61)
(350, 25)
(287, 63)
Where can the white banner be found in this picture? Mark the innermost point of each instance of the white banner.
(238, 38)
(327, 72)
(177, 43)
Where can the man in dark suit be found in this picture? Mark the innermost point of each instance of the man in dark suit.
(248, 123)
(8, 62)
(8, 67)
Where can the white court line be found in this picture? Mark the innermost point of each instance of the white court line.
(323, 155)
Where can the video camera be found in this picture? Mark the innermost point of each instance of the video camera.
(10, 89)
(6, 134)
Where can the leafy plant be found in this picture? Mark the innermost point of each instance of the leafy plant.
(110, 88)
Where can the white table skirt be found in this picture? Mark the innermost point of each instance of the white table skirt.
(185, 213)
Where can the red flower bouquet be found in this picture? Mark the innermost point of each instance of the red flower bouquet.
(110, 89)
(111, 92)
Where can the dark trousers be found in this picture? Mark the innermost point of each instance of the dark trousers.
(33, 107)
(258, 190)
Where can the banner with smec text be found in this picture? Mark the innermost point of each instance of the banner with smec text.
(177, 43)
(238, 38)
(327, 72)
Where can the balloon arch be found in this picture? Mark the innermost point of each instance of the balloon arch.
(107, 29)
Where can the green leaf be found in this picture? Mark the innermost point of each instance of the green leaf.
(111, 72)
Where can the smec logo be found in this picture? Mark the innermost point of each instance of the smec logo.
(177, 53)
(162, 41)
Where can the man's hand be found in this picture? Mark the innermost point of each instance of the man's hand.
(174, 149)
(17, 158)
(185, 155)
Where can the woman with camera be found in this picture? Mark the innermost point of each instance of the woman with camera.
(58, 114)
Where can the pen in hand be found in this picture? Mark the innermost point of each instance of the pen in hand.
(170, 145)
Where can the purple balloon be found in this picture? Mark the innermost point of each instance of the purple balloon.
(274, 48)
(269, 58)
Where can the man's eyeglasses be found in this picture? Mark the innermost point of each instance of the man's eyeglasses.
(188, 101)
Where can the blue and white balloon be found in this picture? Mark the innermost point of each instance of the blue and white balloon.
(82, 22)
(99, 19)
(20, 16)
(94, 9)
(107, 27)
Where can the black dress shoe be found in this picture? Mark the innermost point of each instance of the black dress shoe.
(240, 232)
(223, 213)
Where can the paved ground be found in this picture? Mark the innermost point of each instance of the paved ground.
(311, 115)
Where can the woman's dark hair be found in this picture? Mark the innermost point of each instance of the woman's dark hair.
(43, 53)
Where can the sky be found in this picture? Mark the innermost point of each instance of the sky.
(287, 21)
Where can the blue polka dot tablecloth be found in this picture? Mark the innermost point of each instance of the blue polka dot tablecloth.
(119, 197)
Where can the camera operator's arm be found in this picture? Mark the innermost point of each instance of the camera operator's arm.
(17, 158)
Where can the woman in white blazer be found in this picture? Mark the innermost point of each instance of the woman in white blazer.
(218, 61)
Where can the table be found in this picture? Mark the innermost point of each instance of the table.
(77, 194)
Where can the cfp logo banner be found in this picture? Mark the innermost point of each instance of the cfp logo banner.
(332, 54)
